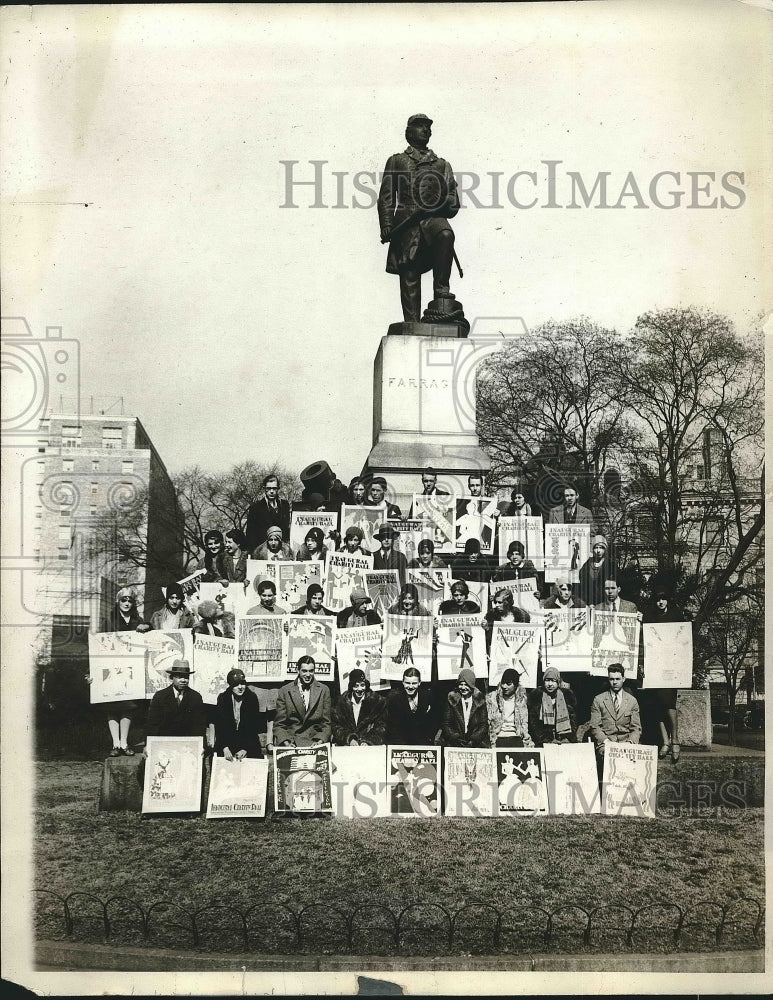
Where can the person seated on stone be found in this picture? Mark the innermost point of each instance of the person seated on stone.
(209, 612)
(460, 603)
(561, 596)
(377, 492)
(214, 558)
(663, 700)
(313, 605)
(508, 712)
(237, 720)
(120, 714)
(173, 614)
(552, 711)
(426, 558)
(313, 548)
(236, 555)
(177, 710)
(503, 609)
(594, 571)
(359, 613)
(359, 716)
(613, 601)
(357, 492)
(517, 566)
(465, 720)
(268, 606)
(614, 714)
(303, 709)
(408, 602)
(412, 712)
(471, 565)
(387, 556)
(274, 548)
(352, 541)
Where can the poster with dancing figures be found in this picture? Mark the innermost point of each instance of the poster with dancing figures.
(259, 648)
(521, 786)
(667, 655)
(237, 789)
(461, 642)
(383, 587)
(407, 643)
(567, 548)
(525, 593)
(413, 774)
(161, 650)
(359, 782)
(409, 534)
(568, 639)
(515, 646)
(368, 520)
(360, 648)
(173, 772)
(630, 779)
(213, 657)
(527, 530)
(309, 635)
(572, 779)
(116, 666)
(301, 521)
(440, 512)
(475, 520)
(469, 782)
(291, 580)
(615, 640)
(343, 573)
(302, 779)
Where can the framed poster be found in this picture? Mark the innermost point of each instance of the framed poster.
(630, 779)
(237, 788)
(413, 775)
(173, 773)
(469, 782)
(521, 782)
(302, 779)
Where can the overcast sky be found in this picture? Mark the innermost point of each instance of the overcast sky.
(237, 328)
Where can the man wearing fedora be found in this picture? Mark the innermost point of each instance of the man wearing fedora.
(303, 716)
(387, 557)
(177, 710)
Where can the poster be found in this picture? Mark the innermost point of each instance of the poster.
(237, 788)
(407, 643)
(461, 642)
(359, 782)
(474, 518)
(368, 520)
(309, 635)
(525, 593)
(302, 520)
(527, 530)
(383, 587)
(469, 782)
(413, 774)
(568, 639)
(259, 648)
(515, 646)
(360, 648)
(116, 666)
(615, 640)
(572, 779)
(291, 580)
(344, 572)
(521, 782)
(478, 592)
(226, 595)
(409, 534)
(161, 650)
(191, 586)
(667, 655)
(440, 511)
(213, 657)
(173, 772)
(432, 585)
(630, 779)
(302, 779)
(567, 548)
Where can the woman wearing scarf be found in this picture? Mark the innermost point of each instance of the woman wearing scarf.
(508, 713)
(174, 614)
(465, 722)
(359, 716)
(552, 716)
(237, 720)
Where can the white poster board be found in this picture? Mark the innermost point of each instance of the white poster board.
(173, 772)
(469, 782)
(515, 646)
(359, 782)
(529, 531)
(309, 635)
(525, 593)
(237, 789)
(440, 512)
(259, 647)
(667, 655)
(615, 640)
(383, 587)
(630, 779)
(521, 782)
(213, 657)
(291, 580)
(475, 520)
(431, 584)
(409, 534)
(407, 643)
(567, 548)
(344, 573)
(368, 520)
(302, 779)
(301, 521)
(478, 592)
(461, 642)
(116, 666)
(360, 648)
(568, 639)
(572, 779)
(161, 650)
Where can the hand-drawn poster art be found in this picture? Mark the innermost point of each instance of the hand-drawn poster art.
(440, 512)
(478, 592)
(344, 572)
(191, 586)
(667, 655)
(309, 635)
(173, 772)
(224, 595)
(116, 666)
(413, 774)
(522, 790)
(302, 520)
(630, 779)
(572, 779)
(568, 639)
(360, 648)
(409, 534)
(515, 646)
(383, 587)
(302, 779)
(469, 782)
(407, 643)
(291, 579)
(475, 519)
(529, 531)
(359, 782)
(237, 789)
(368, 520)
(432, 585)
(615, 640)
(525, 593)
(259, 648)
(461, 642)
(213, 657)
(567, 548)
(161, 650)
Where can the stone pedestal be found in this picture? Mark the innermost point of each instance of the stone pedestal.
(424, 412)
(694, 719)
(121, 786)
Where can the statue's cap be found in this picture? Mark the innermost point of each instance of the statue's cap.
(419, 118)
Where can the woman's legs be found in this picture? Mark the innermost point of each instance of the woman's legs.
(124, 726)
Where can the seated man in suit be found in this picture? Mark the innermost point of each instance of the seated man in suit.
(614, 714)
(613, 601)
(303, 710)
(177, 710)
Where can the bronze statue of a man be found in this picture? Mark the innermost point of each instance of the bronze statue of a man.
(417, 198)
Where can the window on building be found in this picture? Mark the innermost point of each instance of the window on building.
(112, 437)
(127, 466)
(71, 435)
(66, 495)
(95, 465)
(65, 536)
(94, 488)
(68, 464)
